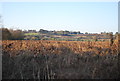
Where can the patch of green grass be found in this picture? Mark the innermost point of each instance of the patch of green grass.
(31, 34)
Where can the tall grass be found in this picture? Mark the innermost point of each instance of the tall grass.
(59, 60)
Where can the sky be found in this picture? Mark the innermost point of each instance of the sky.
(59, 0)
(93, 17)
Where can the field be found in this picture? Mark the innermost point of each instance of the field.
(34, 59)
(31, 33)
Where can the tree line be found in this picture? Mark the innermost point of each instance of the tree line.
(10, 34)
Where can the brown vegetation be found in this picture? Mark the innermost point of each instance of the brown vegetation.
(27, 59)
(10, 34)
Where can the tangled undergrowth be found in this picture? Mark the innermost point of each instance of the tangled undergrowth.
(27, 59)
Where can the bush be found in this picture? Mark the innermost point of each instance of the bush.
(6, 34)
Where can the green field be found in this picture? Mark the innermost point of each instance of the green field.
(31, 34)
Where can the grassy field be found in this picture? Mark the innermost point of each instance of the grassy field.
(29, 59)
(31, 34)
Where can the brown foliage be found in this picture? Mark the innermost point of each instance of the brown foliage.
(6, 35)
(58, 47)
(59, 60)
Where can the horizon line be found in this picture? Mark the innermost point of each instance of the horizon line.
(60, 30)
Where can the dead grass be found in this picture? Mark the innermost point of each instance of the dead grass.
(59, 60)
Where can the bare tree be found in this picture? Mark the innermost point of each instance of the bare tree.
(95, 38)
(1, 21)
(111, 39)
